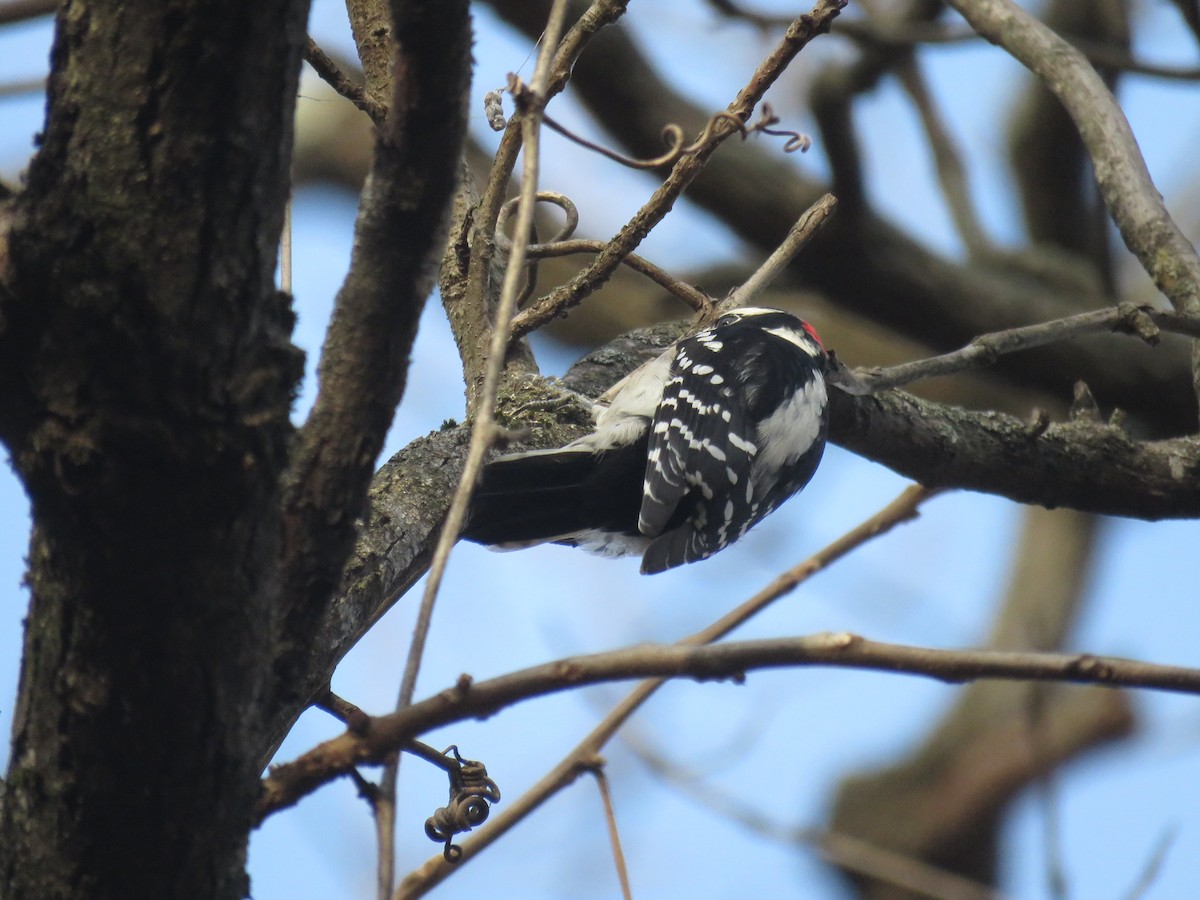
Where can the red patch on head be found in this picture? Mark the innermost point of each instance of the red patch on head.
(812, 333)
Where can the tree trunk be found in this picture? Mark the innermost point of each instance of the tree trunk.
(147, 372)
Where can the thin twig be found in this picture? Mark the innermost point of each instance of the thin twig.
(675, 140)
(798, 235)
(384, 809)
(285, 249)
(1048, 794)
(483, 431)
(908, 34)
(695, 298)
(841, 850)
(1108, 56)
(479, 267)
(1128, 318)
(23, 87)
(368, 790)
(356, 720)
(1154, 864)
(685, 170)
(331, 73)
(614, 836)
(14, 11)
(673, 137)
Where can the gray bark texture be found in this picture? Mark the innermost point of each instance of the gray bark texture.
(147, 376)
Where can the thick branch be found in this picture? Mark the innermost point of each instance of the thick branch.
(1083, 465)
(398, 236)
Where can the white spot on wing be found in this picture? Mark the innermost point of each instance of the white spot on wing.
(744, 446)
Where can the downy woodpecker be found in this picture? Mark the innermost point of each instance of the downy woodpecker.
(693, 449)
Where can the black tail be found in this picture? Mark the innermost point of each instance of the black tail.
(541, 496)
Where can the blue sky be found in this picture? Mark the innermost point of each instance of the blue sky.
(781, 741)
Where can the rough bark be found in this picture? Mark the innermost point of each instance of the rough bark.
(398, 238)
(147, 377)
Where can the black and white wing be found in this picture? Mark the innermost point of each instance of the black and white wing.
(689, 452)
(700, 458)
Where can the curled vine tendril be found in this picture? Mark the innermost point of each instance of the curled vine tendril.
(673, 135)
(767, 118)
(471, 794)
(562, 201)
(561, 244)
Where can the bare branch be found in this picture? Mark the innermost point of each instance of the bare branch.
(482, 250)
(1129, 193)
(1084, 465)
(364, 360)
(561, 244)
(1141, 321)
(614, 835)
(288, 782)
(951, 172)
(907, 34)
(845, 851)
(13, 11)
(799, 33)
(675, 140)
(1153, 865)
(798, 235)
(333, 75)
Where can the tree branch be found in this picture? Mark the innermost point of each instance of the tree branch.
(1142, 321)
(331, 73)
(364, 360)
(13, 11)
(1084, 465)
(287, 783)
(797, 36)
(1129, 193)
(866, 264)
(471, 314)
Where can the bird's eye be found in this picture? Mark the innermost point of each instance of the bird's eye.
(727, 319)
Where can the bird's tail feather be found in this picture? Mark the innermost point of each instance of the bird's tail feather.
(550, 495)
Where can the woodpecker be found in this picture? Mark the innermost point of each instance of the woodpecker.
(693, 449)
